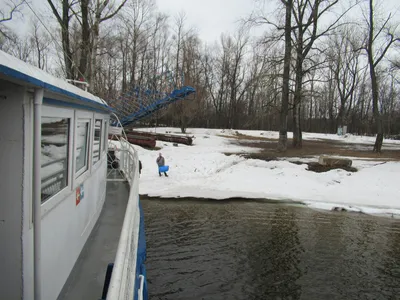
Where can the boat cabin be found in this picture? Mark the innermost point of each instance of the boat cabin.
(53, 161)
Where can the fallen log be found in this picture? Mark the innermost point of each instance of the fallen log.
(186, 140)
(143, 141)
(334, 161)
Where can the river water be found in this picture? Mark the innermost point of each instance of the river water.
(258, 250)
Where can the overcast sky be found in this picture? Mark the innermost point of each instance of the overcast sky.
(210, 17)
(213, 17)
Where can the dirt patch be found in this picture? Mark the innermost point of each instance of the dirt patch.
(312, 148)
(152, 149)
(312, 166)
(318, 168)
(222, 201)
(243, 137)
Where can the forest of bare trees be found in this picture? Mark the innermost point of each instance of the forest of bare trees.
(315, 67)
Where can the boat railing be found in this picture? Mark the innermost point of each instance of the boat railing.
(123, 278)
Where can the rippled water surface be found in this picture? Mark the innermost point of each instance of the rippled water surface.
(258, 250)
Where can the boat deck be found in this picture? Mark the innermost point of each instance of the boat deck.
(87, 277)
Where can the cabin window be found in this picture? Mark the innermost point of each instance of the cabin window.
(97, 140)
(105, 138)
(54, 157)
(82, 146)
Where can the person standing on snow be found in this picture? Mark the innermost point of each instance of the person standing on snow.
(161, 163)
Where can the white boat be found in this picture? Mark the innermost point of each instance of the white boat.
(54, 182)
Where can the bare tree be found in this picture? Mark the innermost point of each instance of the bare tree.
(240, 82)
(184, 54)
(103, 11)
(40, 43)
(375, 56)
(344, 56)
(215, 67)
(136, 18)
(20, 48)
(282, 142)
(307, 15)
(63, 20)
(89, 16)
(11, 7)
(7, 12)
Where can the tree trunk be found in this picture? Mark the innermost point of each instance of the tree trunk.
(69, 66)
(374, 82)
(311, 106)
(92, 66)
(134, 59)
(282, 142)
(85, 41)
(124, 69)
(297, 136)
(375, 110)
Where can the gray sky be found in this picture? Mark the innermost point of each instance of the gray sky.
(210, 17)
(213, 17)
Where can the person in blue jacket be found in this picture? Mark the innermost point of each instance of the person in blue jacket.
(161, 163)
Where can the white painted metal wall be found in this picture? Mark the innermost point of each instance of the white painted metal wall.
(65, 230)
(65, 225)
(11, 180)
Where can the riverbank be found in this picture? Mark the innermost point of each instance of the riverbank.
(204, 170)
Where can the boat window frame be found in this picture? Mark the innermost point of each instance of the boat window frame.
(58, 112)
(105, 134)
(81, 175)
(95, 118)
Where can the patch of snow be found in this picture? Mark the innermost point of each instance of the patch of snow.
(204, 171)
(382, 211)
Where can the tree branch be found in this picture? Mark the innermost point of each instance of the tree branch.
(114, 13)
(55, 12)
(392, 40)
(14, 9)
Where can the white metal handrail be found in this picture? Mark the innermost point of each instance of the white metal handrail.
(141, 288)
(122, 285)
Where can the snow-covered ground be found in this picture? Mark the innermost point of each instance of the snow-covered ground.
(204, 171)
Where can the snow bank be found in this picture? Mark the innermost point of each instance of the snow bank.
(204, 171)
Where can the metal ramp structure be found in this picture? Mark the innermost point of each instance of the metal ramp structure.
(152, 97)
(138, 103)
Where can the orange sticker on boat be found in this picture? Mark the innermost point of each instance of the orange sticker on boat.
(78, 195)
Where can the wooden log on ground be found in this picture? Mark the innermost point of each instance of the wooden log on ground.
(144, 141)
(186, 140)
(331, 161)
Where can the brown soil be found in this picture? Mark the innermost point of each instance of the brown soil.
(316, 167)
(153, 149)
(312, 148)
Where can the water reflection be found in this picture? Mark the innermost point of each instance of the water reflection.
(252, 250)
(277, 249)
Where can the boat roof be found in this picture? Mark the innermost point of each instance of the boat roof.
(12, 67)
